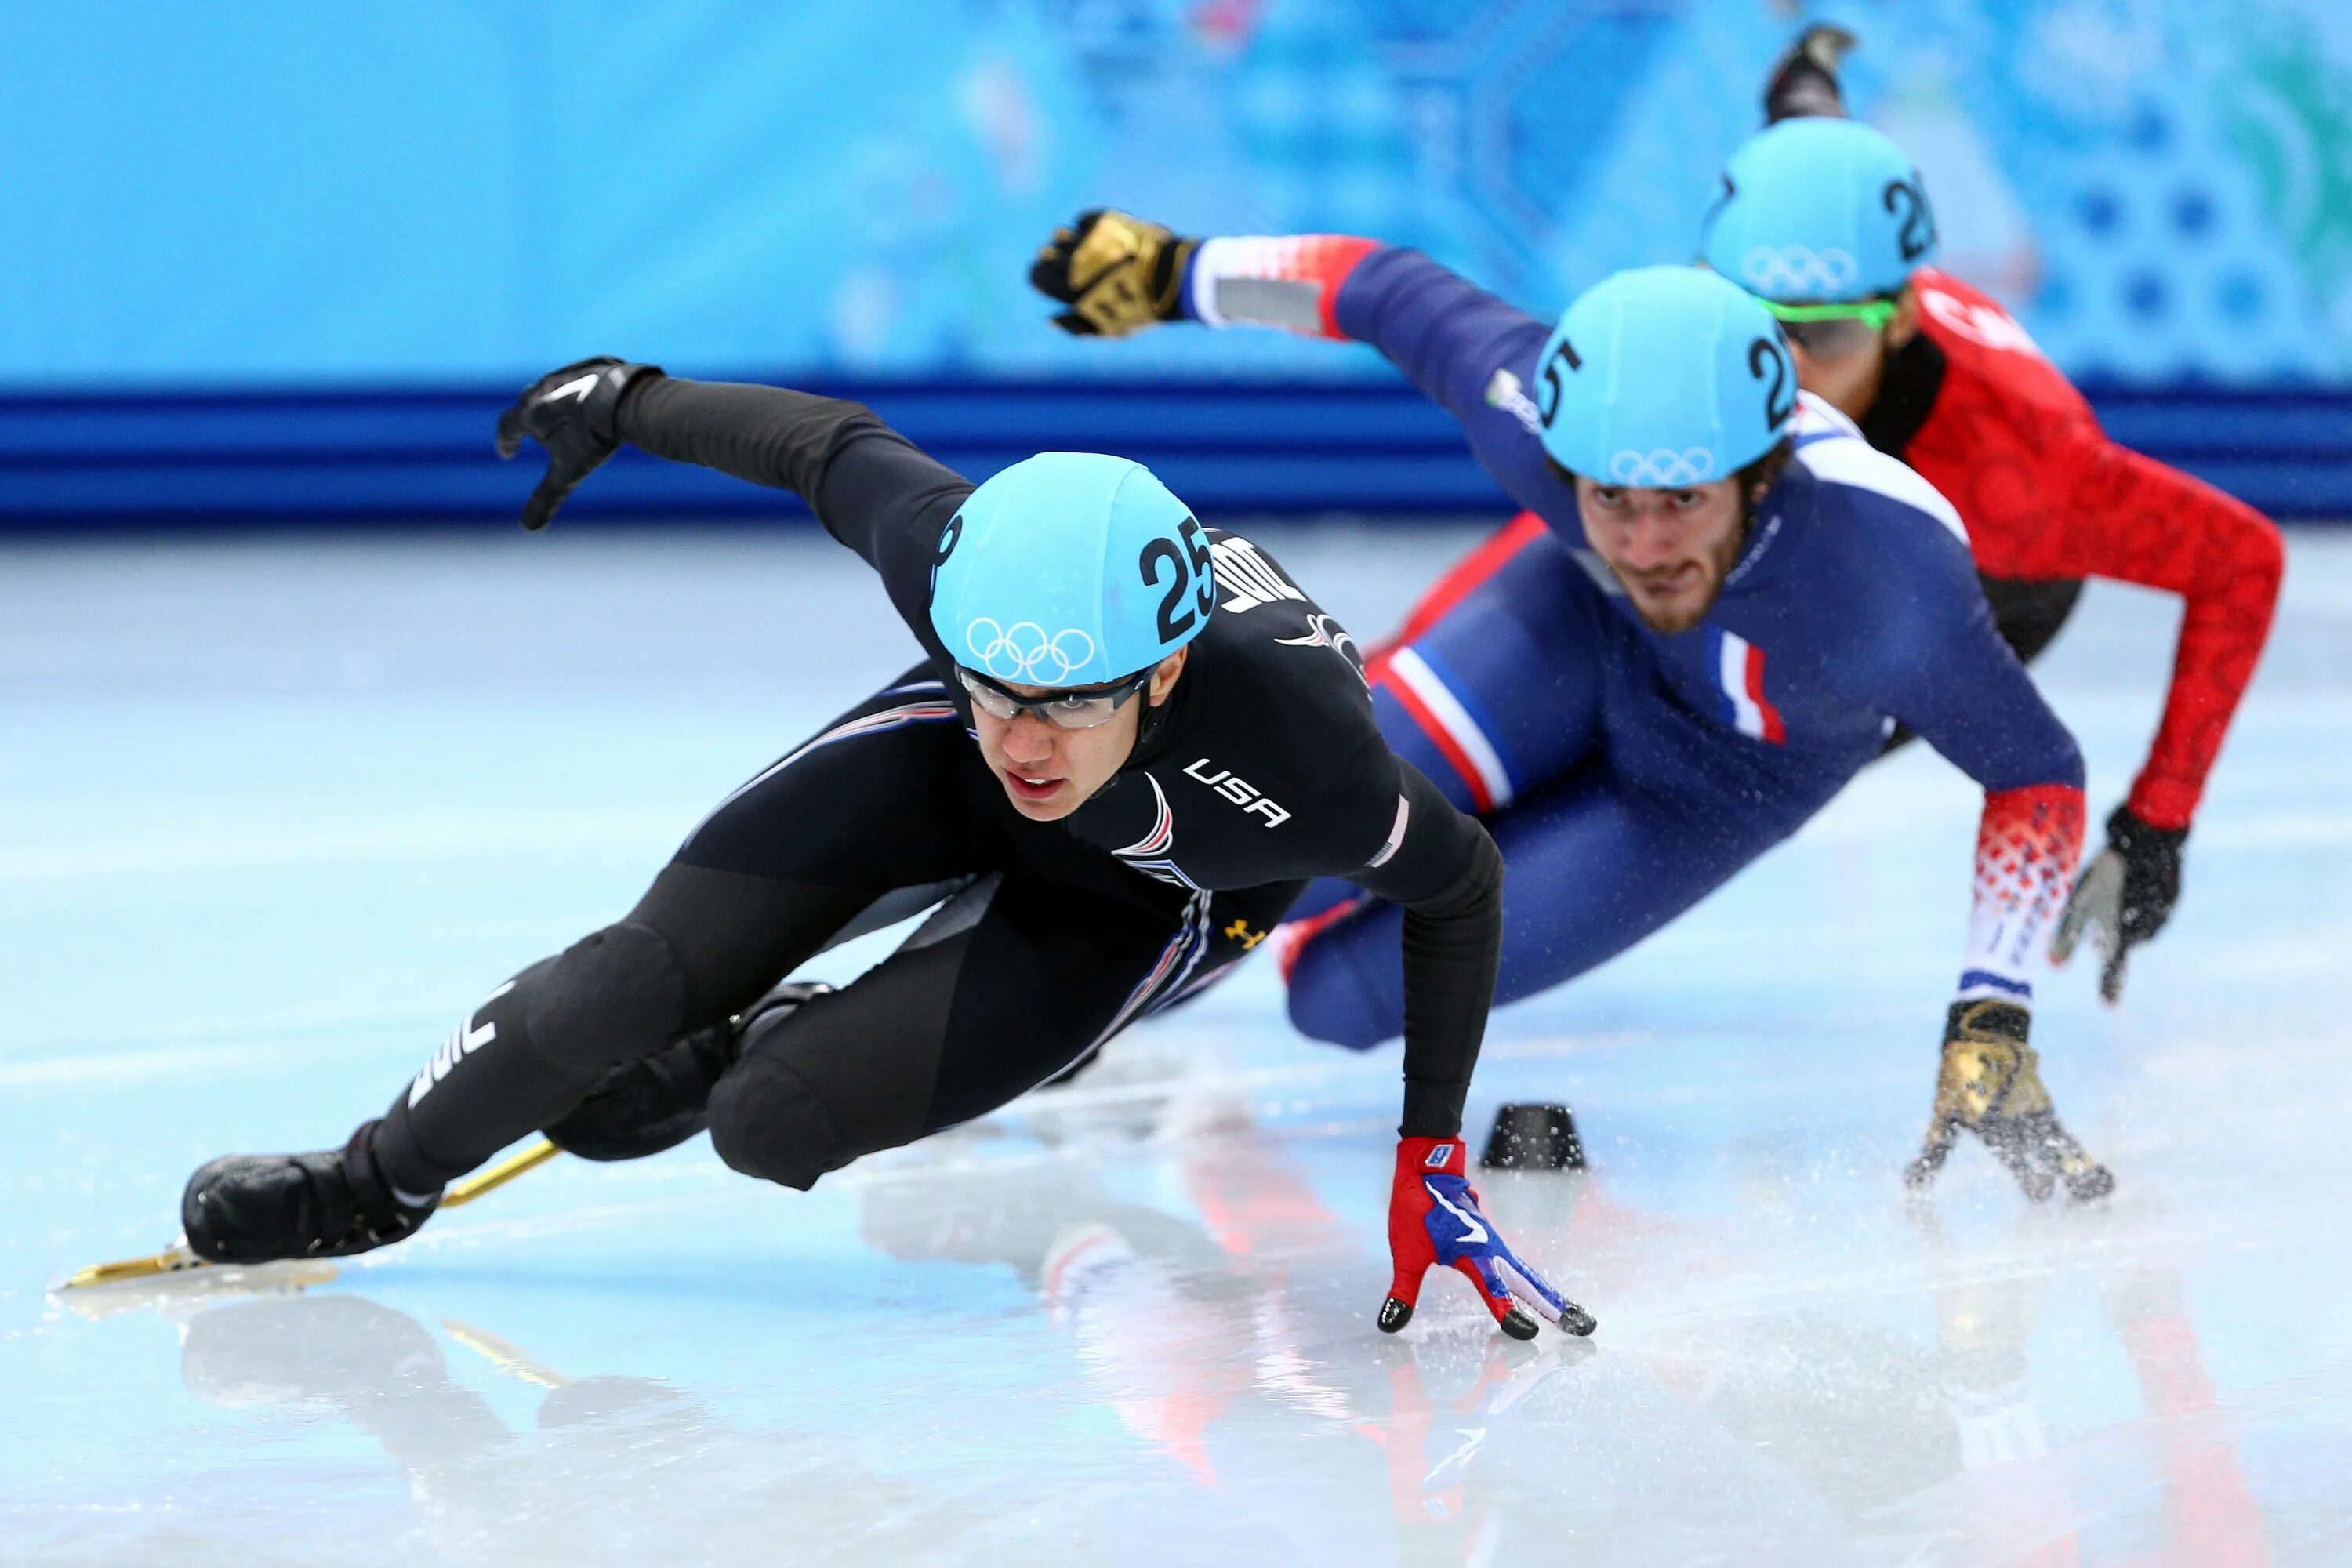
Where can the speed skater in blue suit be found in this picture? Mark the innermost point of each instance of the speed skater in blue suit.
(1734, 601)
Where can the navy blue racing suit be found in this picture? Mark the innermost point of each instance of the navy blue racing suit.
(1625, 773)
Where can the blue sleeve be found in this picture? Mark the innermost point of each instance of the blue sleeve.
(1935, 660)
(1473, 355)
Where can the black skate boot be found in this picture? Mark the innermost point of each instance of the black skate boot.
(258, 1208)
(660, 1102)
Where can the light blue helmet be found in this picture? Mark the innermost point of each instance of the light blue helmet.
(1664, 376)
(1070, 569)
(1818, 210)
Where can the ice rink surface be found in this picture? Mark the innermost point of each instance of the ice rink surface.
(273, 814)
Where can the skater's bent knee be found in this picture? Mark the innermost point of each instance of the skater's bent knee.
(766, 1122)
(612, 997)
(1331, 1000)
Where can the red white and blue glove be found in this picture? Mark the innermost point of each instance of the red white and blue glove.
(1434, 1220)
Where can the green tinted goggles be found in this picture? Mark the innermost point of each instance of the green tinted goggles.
(1872, 314)
(1833, 331)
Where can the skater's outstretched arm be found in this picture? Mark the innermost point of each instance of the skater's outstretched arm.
(1942, 669)
(1471, 353)
(2076, 504)
(874, 490)
(1441, 866)
(1936, 663)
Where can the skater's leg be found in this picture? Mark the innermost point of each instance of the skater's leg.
(1006, 986)
(876, 801)
(1499, 690)
(881, 800)
(1592, 870)
(2030, 612)
(1459, 580)
(699, 946)
(1502, 692)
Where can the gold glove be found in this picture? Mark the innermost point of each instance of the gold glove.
(1990, 1084)
(1118, 274)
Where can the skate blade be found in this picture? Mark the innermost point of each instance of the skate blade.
(174, 1260)
(461, 1193)
(296, 1273)
(177, 1276)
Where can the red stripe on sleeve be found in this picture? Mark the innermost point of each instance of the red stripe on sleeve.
(1329, 258)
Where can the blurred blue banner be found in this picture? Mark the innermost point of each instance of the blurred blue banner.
(278, 195)
(280, 189)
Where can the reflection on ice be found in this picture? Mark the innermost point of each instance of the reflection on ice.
(609, 1468)
(1132, 1322)
(1206, 1380)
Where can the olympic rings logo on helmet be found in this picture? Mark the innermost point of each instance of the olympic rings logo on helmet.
(1662, 469)
(1023, 651)
(1799, 272)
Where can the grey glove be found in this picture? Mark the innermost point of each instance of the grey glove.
(2128, 891)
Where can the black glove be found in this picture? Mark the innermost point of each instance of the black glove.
(1990, 1084)
(571, 412)
(2128, 891)
(1118, 274)
(1805, 78)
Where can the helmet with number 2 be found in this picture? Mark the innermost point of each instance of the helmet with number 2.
(1070, 569)
(1666, 377)
(1818, 211)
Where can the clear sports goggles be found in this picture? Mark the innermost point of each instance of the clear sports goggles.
(1833, 331)
(1070, 708)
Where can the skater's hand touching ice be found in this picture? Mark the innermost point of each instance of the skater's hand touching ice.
(571, 412)
(1990, 1085)
(1434, 1221)
(2128, 893)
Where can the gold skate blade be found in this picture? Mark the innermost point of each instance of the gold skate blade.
(462, 1193)
(176, 1278)
(178, 1259)
(173, 1259)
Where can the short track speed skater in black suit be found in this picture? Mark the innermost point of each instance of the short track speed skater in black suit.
(1132, 742)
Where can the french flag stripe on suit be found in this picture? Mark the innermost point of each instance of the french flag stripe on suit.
(1429, 699)
(1741, 667)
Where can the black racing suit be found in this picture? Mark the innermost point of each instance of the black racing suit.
(1264, 768)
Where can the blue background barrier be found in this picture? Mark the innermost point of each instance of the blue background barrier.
(387, 458)
(241, 248)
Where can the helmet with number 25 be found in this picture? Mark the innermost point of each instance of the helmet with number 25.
(1664, 377)
(1818, 210)
(1070, 569)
